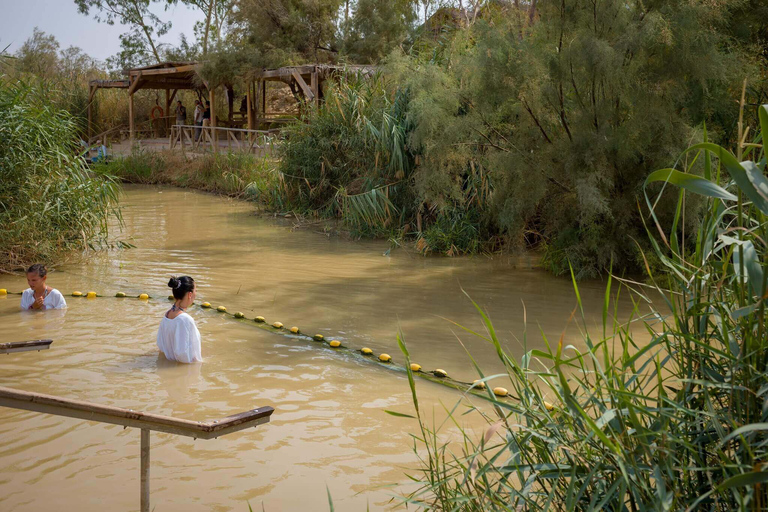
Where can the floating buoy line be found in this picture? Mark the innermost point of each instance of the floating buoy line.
(438, 375)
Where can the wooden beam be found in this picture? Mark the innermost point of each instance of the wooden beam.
(70, 408)
(135, 84)
(304, 87)
(24, 346)
(169, 71)
(110, 84)
(286, 71)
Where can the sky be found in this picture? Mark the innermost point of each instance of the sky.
(61, 18)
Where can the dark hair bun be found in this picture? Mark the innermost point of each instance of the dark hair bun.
(181, 286)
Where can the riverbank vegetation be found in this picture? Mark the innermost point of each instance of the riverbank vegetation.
(512, 131)
(49, 204)
(232, 174)
(677, 422)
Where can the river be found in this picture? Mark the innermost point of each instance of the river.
(329, 428)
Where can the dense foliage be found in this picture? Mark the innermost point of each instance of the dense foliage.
(48, 202)
(540, 133)
(625, 423)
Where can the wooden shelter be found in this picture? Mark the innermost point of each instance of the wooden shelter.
(306, 81)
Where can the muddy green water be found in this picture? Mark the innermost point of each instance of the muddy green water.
(329, 427)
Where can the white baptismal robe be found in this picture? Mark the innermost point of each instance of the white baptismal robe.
(53, 299)
(179, 340)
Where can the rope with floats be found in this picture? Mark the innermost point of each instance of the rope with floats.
(438, 375)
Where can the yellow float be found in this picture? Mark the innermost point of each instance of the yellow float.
(77, 294)
(549, 406)
(415, 367)
(91, 295)
(3, 291)
(479, 384)
(335, 343)
(205, 305)
(239, 315)
(366, 351)
(143, 296)
(277, 325)
(385, 358)
(171, 297)
(318, 337)
(120, 294)
(221, 309)
(440, 373)
(295, 330)
(259, 319)
(500, 391)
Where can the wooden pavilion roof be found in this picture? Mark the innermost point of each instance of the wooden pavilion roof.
(184, 75)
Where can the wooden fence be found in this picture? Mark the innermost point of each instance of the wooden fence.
(217, 138)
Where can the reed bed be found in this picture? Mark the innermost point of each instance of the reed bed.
(49, 203)
(677, 423)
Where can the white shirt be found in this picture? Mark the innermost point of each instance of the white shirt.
(179, 340)
(53, 300)
(199, 113)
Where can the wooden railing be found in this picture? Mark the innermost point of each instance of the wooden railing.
(48, 404)
(24, 346)
(201, 137)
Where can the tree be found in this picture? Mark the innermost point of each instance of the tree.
(39, 54)
(289, 31)
(378, 26)
(146, 26)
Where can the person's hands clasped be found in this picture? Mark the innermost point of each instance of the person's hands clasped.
(39, 303)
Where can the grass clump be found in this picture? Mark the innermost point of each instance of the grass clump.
(677, 423)
(49, 204)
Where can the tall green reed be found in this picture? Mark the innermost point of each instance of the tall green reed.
(677, 422)
(49, 203)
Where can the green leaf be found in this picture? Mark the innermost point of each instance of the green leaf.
(744, 480)
(737, 172)
(690, 182)
(399, 414)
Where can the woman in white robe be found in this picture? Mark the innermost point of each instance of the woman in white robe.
(178, 338)
(39, 295)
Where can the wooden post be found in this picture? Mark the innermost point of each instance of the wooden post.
(314, 86)
(250, 110)
(166, 121)
(131, 125)
(264, 98)
(144, 470)
(91, 90)
(214, 142)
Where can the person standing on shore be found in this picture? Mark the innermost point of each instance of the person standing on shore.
(39, 295)
(181, 113)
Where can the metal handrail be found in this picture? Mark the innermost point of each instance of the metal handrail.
(58, 406)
